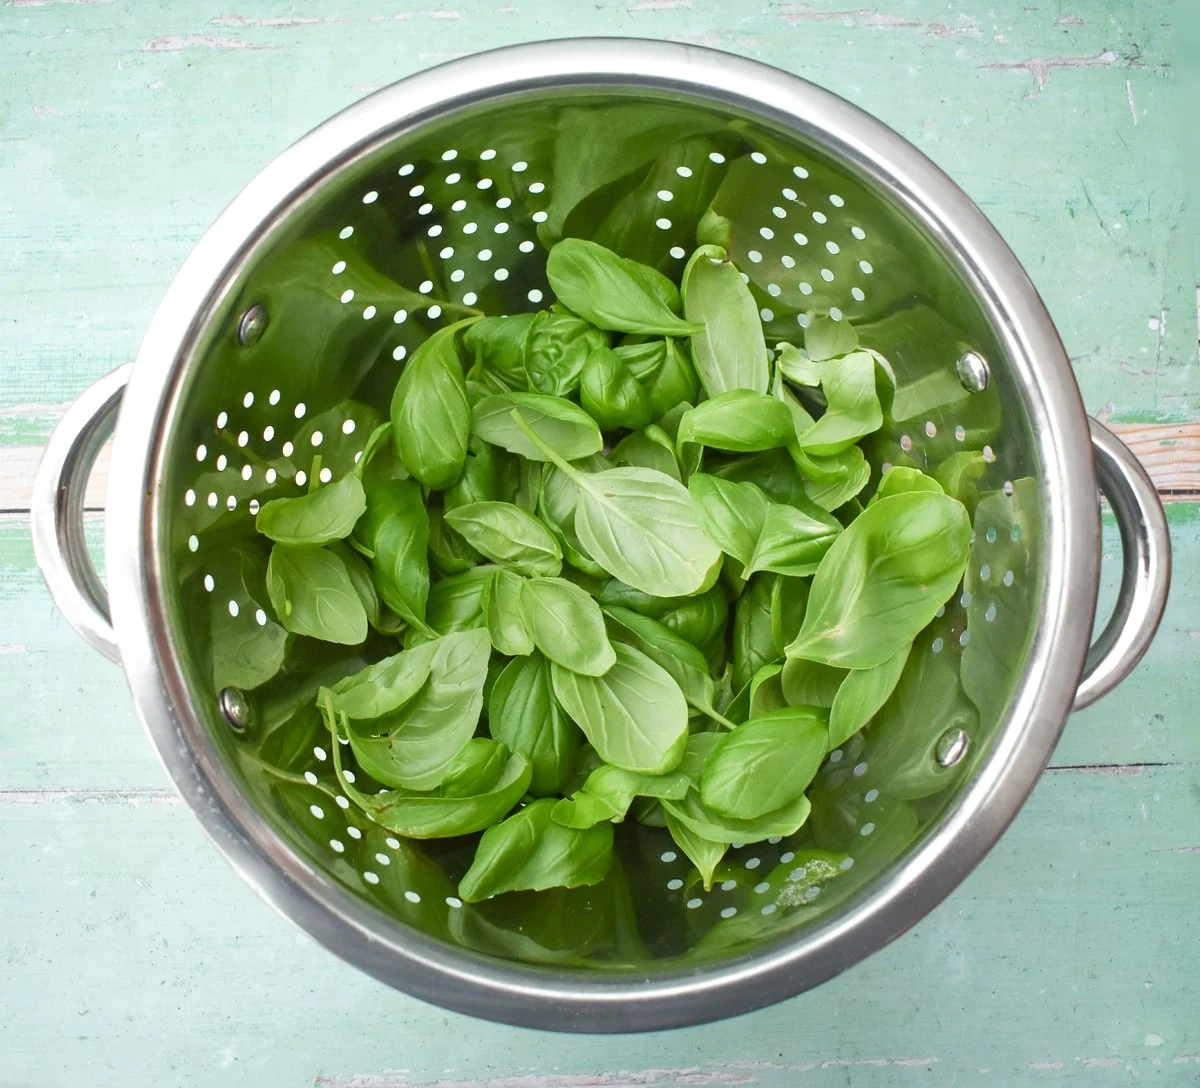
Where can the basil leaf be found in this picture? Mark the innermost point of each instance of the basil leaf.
(643, 360)
(792, 541)
(499, 343)
(556, 349)
(797, 366)
(883, 579)
(809, 683)
(415, 747)
(501, 606)
(431, 418)
(455, 604)
(524, 714)
(312, 594)
(732, 513)
(608, 793)
(507, 535)
(326, 514)
(703, 853)
(562, 426)
(861, 695)
(530, 852)
(827, 339)
(649, 448)
(610, 291)
(693, 814)
(766, 690)
(439, 814)
(900, 479)
(245, 652)
(363, 581)
(853, 410)
(673, 382)
(610, 394)
(448, 551)
(845, 475)
(959, 475)
(634, 715)
(567, 625)
(482, 476)
(789, 602)
(765, 764)
(739, 420)
(730, 353)
(384, 687)
(753, 644)
(394, 530)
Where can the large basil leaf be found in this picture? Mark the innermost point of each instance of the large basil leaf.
(326, 514)
(610, 291)
(733, 513)
(789, 602)
(852, 405)
(740, 420)
(861, 694)
(703, 853)
(753, 643)
(394, 533)
(455, 604)
(792, 541)
(764, 764)
(649, 448)
(809, 683)
(501, 605)
(524, 714)
(610, 394)
(431, 418)
(834, 480)
(415, 747)
(883, 579)
(312, 594)
(499, 343)
(556, 349)
(900, 478)
(567, 625)
(566, 429)
(828, 339)
(507, 535)
(634, 715)
(529, 851)
(482, 478)
(730, 353)
(384, 687)
(674, 382)
(608, 793)
(247, 650)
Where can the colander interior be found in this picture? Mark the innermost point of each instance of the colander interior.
(457, 215)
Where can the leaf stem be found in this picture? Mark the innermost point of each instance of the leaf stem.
(573, 474)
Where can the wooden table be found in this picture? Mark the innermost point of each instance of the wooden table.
(130, 954)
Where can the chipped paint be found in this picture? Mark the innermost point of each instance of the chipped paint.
(278, 22)
(869, 17)
(135, 796)
(1041, 67)
(170, 43)
(660, 5)
(1133, 112)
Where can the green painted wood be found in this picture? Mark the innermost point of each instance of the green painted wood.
(131, 954)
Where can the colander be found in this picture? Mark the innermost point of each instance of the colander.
(439, 195)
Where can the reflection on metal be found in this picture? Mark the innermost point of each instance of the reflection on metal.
(235, 708)
(952, 746)
(252, 325)
(973, 371)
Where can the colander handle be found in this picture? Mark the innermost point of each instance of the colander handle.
(56, 516)
(1145, 567)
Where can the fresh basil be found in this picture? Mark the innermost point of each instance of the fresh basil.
(610, 394)
(326, 514)
(740, 420)
(792, 541)
(507, 535)
(556, 349)
(524, 714)
(394, 533)
(560, 425)
(860, 696)
(567, 625)
(608, 793)
(312, 594)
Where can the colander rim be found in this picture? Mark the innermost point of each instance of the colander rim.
(536, 997)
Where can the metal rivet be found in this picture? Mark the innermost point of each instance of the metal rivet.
(973, 371)
(235, 709)
(252, 324)
(952, 745)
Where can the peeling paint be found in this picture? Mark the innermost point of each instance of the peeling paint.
(868, 17)
(1041, 67)
(46, 111)
(660, 5)
(1068, 20)
(170, 43)
(134, 797)
(1132, 104)
(281, 21)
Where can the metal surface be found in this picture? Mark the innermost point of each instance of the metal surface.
(971, 268)
(972, 371)
(56, 513)
(1145, 568)
(952, 746)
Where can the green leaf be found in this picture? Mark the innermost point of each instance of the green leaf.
(809, 683)
(883, 579)
(501, 604)
(530, 852)
(861, 695)
(394, 530)
(797, 366)
(610, 394)
(730, 353)
(826, 339)
(321, 516)
(384, 687)
(852, 406)
(649, 448)
(566, 429)
(740, 420)
(643, 360)
(478, 800)
(507, 535)
(674, 382)
(415, 747)
(556, 349)
(703, 853)
(456, 602)
(733, 513)
(766, 690)
(699, 619)
(610, 291)
(608, 793)
(363, 581)
(959, 475)
(832, 481)
(793, 541)
(634, 715)
(900, 479)
(312, 594)
(789, 602)
(765, 764)
(431, 418)
(753, 644)
(448, 551)
(499, 343)
(482, 476)
(567, 625)
(524, 714)
(245, 652)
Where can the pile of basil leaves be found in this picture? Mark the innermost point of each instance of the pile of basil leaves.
(625, 550)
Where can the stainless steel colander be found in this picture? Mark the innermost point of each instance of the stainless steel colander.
(441, 193)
